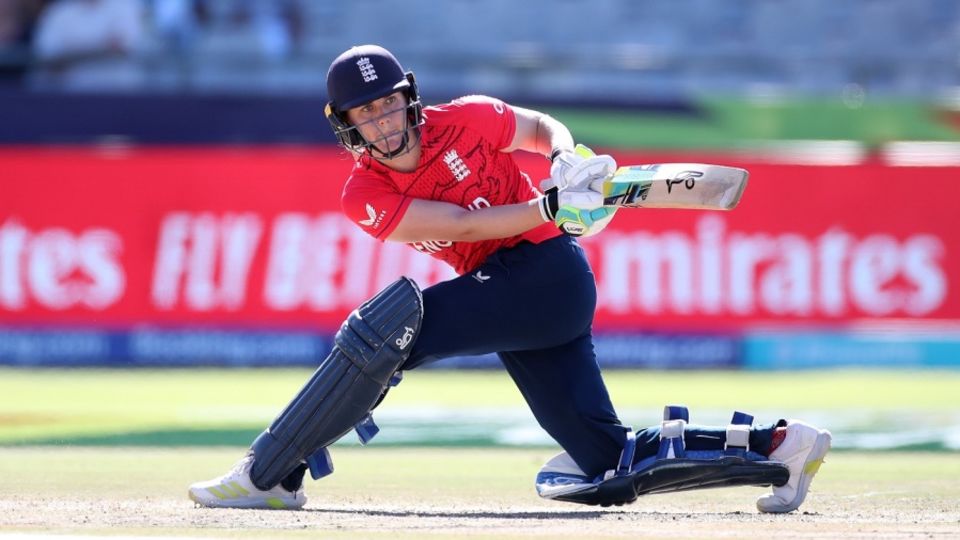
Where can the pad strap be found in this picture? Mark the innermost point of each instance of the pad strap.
(675, 419)
(671, 439)
(625, 464)
(367, 429)
(738, 435)
(320, 463)
(676, 412)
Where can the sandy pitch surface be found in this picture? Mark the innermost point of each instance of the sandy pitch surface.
(448, 493)
(913, 516)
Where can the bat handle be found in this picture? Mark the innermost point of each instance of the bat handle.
(597, 184)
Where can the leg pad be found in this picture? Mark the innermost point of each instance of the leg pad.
(370, 347)
(673, 468)
(680, 474)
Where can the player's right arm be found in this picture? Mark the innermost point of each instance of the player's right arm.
(387, 215)
(576, 213)
(436, 220)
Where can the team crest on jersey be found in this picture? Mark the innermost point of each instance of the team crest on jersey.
(366, 69)
(373, 218)
(456, 164)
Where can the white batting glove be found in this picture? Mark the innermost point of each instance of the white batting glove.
(577, 169)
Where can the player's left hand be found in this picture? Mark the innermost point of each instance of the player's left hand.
(578, 169)
(577, 213)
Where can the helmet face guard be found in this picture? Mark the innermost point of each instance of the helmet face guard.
(349, 136)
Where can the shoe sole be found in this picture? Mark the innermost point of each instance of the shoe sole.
(810, 467)
(275, 503)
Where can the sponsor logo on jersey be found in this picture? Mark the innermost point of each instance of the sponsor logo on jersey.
(373, 219)
(480, 277)
(457, 166)
(366, 69)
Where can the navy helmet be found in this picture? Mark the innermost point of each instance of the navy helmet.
(361, 75)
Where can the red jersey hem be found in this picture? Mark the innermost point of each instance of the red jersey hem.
(542, 233)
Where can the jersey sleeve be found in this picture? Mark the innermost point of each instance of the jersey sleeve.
(492, 118)
(372, 205)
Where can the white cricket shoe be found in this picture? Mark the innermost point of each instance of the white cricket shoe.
(236, 490)
(802, 450)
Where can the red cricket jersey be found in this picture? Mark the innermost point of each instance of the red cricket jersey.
(460, 163)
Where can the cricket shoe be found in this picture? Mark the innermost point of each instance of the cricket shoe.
(802, 451)
(236, 490)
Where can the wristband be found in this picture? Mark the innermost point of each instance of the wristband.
(554, 153)
(549, 204)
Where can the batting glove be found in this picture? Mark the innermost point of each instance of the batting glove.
(576, 213)
(577, 169)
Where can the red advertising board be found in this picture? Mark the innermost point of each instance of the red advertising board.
(254, 237)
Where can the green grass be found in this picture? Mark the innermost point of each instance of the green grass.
(726, 124)
(170, 407)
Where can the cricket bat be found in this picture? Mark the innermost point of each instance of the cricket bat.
(696, 186)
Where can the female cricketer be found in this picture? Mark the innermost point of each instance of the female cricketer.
(443, 180)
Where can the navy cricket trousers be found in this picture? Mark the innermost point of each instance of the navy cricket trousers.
(533, 305)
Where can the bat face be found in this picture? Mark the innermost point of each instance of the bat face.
(675, 185)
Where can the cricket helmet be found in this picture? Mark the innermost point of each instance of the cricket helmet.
(361, 75)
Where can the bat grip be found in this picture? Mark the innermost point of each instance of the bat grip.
(597, 184)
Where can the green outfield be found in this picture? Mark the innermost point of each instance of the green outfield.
(725, 124)
(911, 409)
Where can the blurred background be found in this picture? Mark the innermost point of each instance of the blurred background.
(169, 197)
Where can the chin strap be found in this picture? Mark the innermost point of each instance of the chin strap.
(402, 149)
